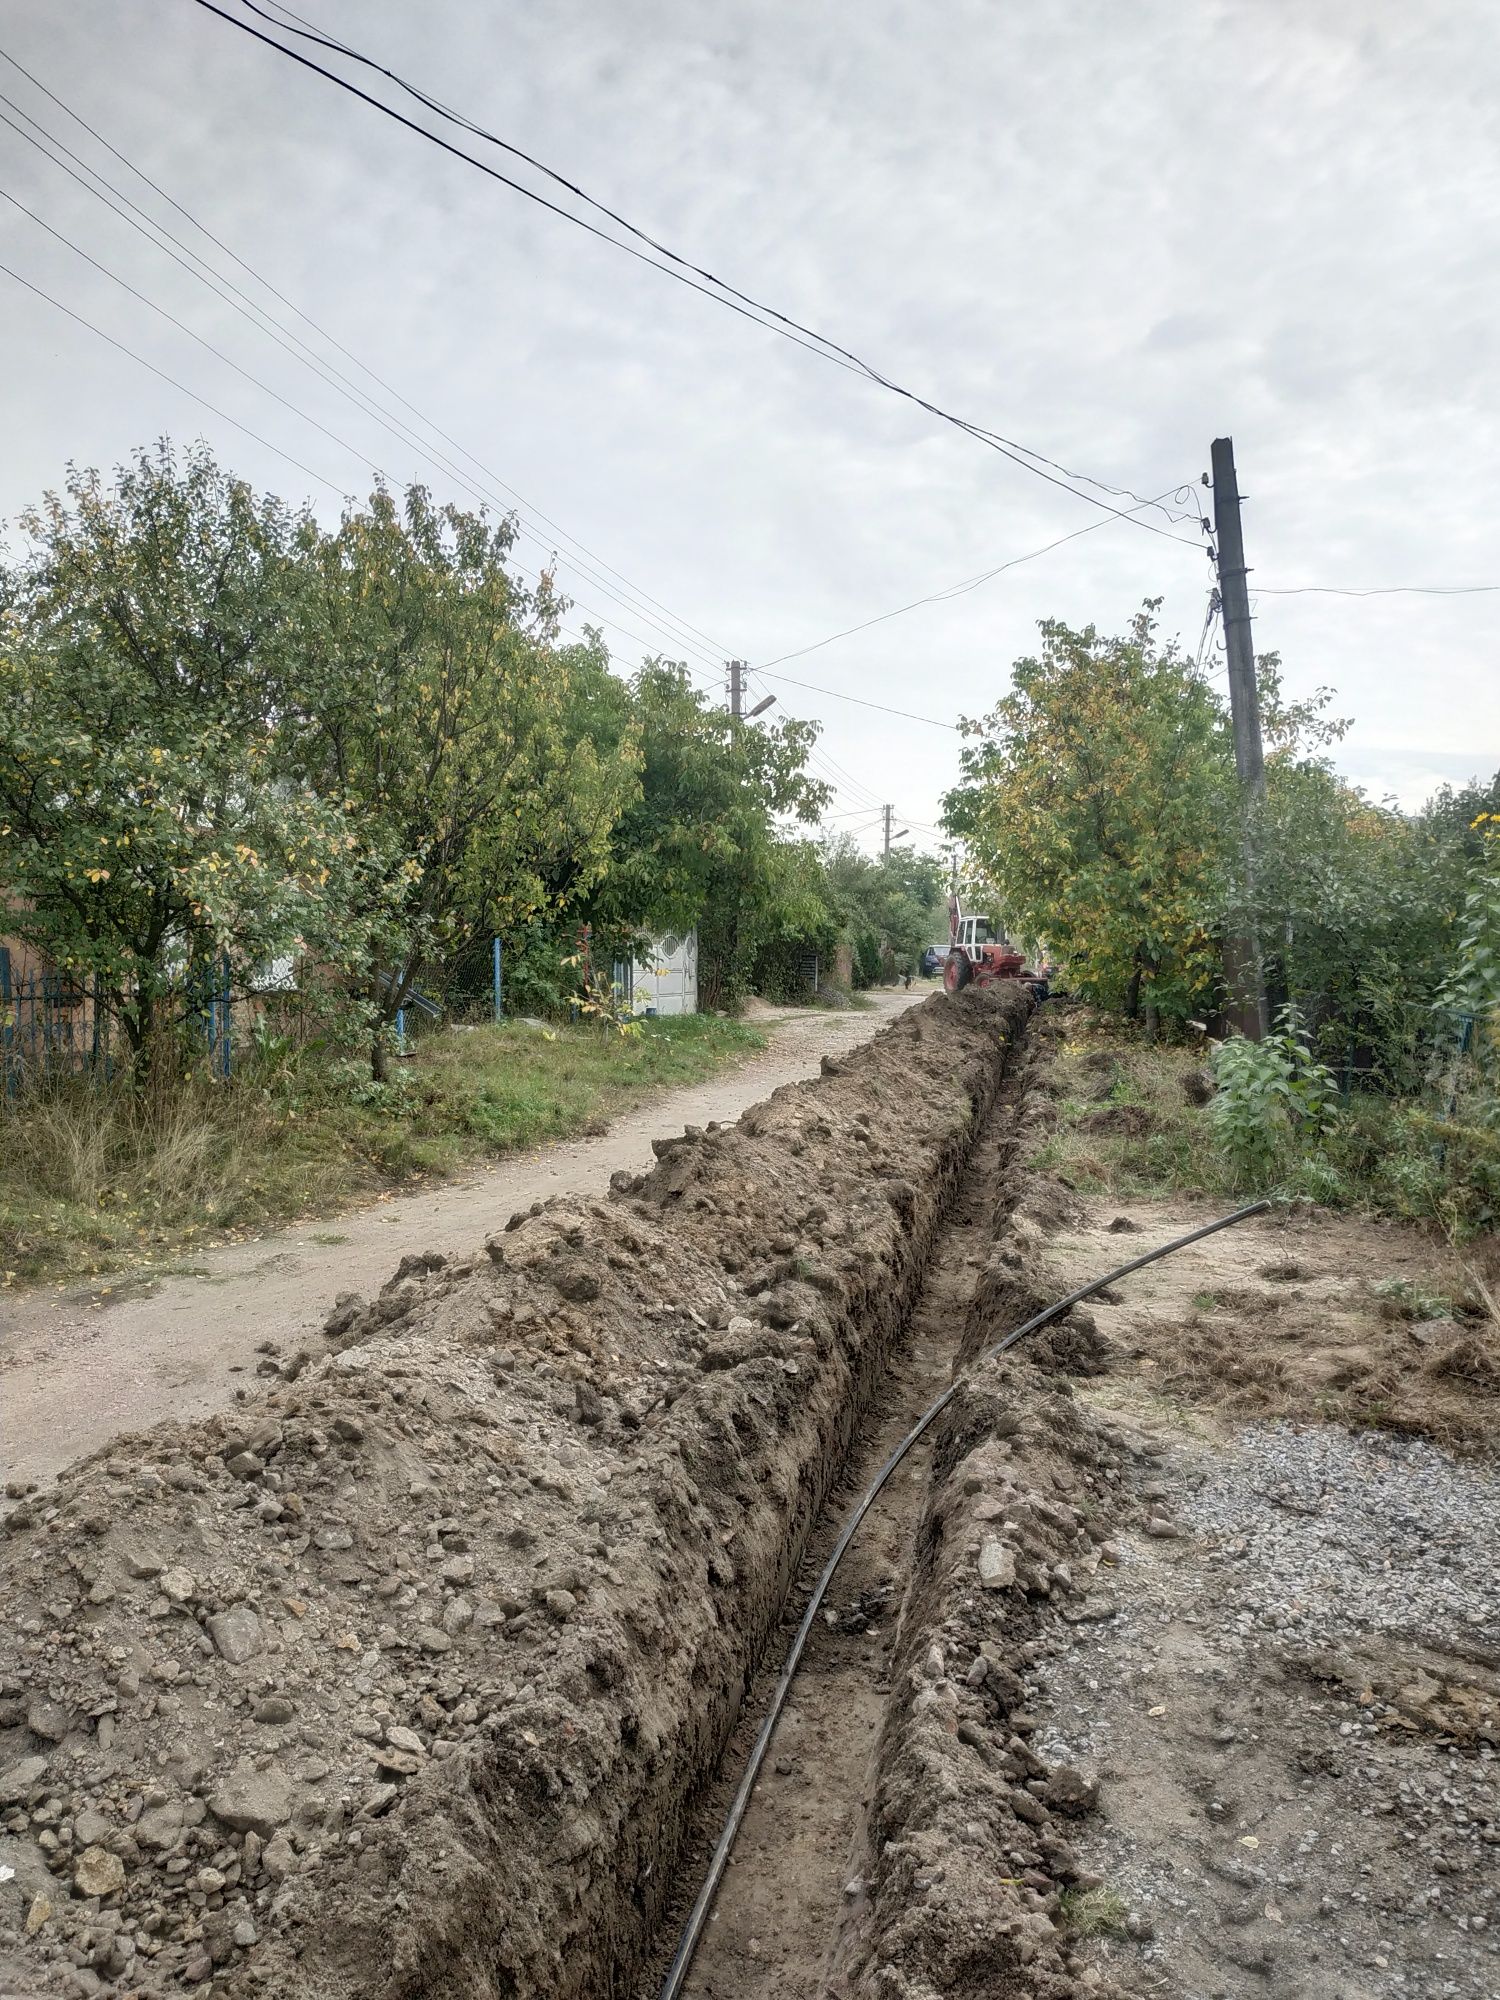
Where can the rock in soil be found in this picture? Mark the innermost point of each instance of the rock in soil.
(518, 1518)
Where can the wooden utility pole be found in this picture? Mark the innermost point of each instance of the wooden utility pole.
(1243, 964)
(736, 687)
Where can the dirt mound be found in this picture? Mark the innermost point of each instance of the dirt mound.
(971, 1855)
(970, 1869)
(400, 1680)
(1063, 1793)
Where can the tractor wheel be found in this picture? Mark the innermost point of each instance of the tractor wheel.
(957, 972)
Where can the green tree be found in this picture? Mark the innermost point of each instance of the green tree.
(697, 841)
(1097, 796)
(142, 834)
(891, 906)
(423, 697)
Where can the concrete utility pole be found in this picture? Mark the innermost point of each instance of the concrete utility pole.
(1243, 964)
(887, 814)
(736, 687)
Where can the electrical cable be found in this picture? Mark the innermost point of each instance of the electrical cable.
(637, 601)
(402, 436)
(692, 1930)
(859, 701)
(942, 596)
(725, 295)
(1383, 590)
(648, 645)
(182, 327)
(533, 576)
(264, 443)
(308, 31)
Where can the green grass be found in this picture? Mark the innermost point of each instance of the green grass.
(1381, 1157)
(1099, 1069)
(91, 1181)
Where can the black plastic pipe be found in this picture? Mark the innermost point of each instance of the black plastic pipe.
(692, 1930)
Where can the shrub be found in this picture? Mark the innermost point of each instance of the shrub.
(1274, 1098)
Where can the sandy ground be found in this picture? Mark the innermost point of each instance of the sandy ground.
(79, 1367)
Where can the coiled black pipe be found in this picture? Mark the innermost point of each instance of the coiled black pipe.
(692, 1930)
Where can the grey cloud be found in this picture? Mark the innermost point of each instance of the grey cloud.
(1111, 233)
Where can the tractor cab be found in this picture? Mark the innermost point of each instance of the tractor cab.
(981, 954)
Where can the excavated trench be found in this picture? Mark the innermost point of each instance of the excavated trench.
(794, 1879)
(413, 1676)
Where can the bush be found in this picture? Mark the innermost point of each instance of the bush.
(866, 958)
(1274, 1100)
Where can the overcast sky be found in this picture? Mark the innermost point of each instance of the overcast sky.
(1108, 232)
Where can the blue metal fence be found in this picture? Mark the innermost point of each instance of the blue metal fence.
(49, 1026)
(53, 1026)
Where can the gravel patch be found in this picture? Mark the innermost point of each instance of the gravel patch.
(1332, 1533)
(1293, 1707)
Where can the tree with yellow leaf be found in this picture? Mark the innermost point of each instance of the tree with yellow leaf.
(141, 837)
(1097, 797)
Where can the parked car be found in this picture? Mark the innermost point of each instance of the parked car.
(932, 960)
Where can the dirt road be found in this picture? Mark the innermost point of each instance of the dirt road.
(80, 1367)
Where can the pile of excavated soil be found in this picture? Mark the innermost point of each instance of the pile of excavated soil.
(970, 1848)
(1181, 1705)
(401, 1678)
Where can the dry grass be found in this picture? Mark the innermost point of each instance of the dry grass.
(93, 1180)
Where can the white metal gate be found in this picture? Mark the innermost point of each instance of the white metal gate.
(666, 979)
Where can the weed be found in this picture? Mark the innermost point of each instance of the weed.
(1372, 1154)
(1273, 1096)
(1409, 1300)
(1097, 1912)
(91, 1180)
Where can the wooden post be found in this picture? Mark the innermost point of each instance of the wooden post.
(1243, 966)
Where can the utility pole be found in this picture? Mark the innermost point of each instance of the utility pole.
(887, 814)
(1243, 965)
(736, 687)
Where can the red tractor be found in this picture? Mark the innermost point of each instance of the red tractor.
(977, 954)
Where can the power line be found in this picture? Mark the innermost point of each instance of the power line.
(1383, 590)
(344, 444)
(637, 601)
(182, 326)
(859, 700)
(308, 31)
(265, 443)
(941, 596)
(531, 575)
(677, 268)
(650, 645)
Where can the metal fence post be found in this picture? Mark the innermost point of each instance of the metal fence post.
(224, 1025)
(499, 1004)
